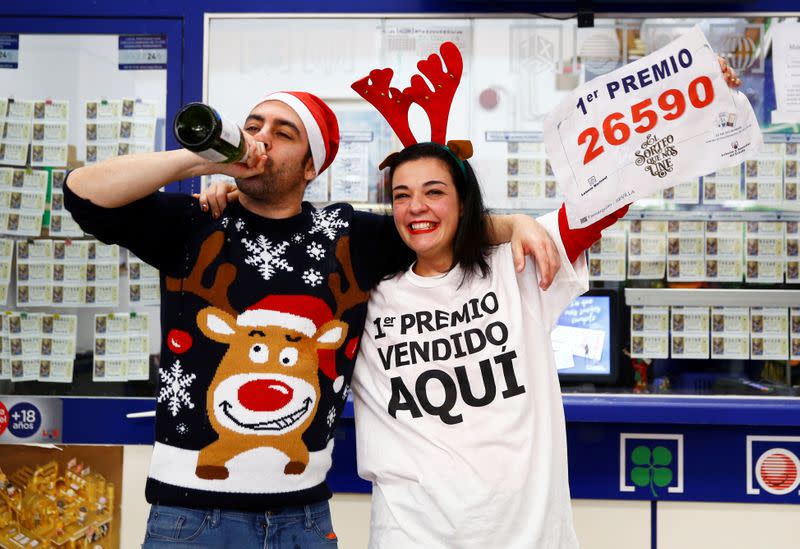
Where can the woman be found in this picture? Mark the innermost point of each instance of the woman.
(459, 420)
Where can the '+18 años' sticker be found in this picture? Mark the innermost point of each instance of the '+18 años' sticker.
(25, 420)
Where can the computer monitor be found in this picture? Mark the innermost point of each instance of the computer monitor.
(585, 339)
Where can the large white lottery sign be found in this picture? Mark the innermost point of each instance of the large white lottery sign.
(659, 121)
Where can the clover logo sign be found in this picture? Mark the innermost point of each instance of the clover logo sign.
(652, 467)
(654, 460)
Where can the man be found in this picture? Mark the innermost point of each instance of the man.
(262, 311)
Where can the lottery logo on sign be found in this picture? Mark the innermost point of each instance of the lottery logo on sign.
(773, 465)
(651, 462)
(776, 471)
(25, 420)
(3, 418)
(656, 155)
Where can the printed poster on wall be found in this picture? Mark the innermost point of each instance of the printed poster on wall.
(786, 71)
(9, 52)
(142, 52)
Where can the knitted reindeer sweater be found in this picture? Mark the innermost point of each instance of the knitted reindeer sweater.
(260, 320)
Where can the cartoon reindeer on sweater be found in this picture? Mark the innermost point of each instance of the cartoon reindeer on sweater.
(265, 391)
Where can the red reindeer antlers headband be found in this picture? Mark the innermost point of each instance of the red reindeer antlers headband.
(394, 104)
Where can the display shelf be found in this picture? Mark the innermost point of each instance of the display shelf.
(781, 138)
(652, 215)
(373, 207)
(702, 297)
(733, 211)
(665, 409)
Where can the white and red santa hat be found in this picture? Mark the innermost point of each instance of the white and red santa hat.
(319, 121)
(302, 313)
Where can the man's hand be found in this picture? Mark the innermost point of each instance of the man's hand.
(255, 165)
(217, 196)
(728, 73)
(528, 237)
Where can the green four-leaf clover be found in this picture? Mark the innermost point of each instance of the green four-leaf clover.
(652, 467)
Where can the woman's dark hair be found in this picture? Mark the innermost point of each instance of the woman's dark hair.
(471, 243)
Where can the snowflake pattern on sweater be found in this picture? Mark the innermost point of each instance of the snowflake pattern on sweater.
(266, 256)
(328, 223)
(174, 388)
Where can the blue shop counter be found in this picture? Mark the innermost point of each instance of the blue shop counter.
(725, 449)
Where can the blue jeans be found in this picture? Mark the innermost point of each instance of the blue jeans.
(302, 527)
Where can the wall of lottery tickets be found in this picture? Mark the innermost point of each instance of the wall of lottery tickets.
(74, 310)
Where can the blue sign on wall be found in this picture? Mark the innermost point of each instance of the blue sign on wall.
(9, 51)
(773, 465)
(651, 464)
(142, 52)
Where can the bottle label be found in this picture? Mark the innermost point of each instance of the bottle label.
(212, 155)
(230, 133)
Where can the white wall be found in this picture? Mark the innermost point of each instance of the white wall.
(350, 513)
(727, 525)
(135, 464)
(600, 524)
(612, 524)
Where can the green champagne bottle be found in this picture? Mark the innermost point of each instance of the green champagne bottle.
(200, 129)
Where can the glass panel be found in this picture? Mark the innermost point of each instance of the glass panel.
(81, 318)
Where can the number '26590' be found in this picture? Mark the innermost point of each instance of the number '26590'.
(672, 103)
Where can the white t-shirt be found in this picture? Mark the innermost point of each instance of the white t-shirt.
(459, 419)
